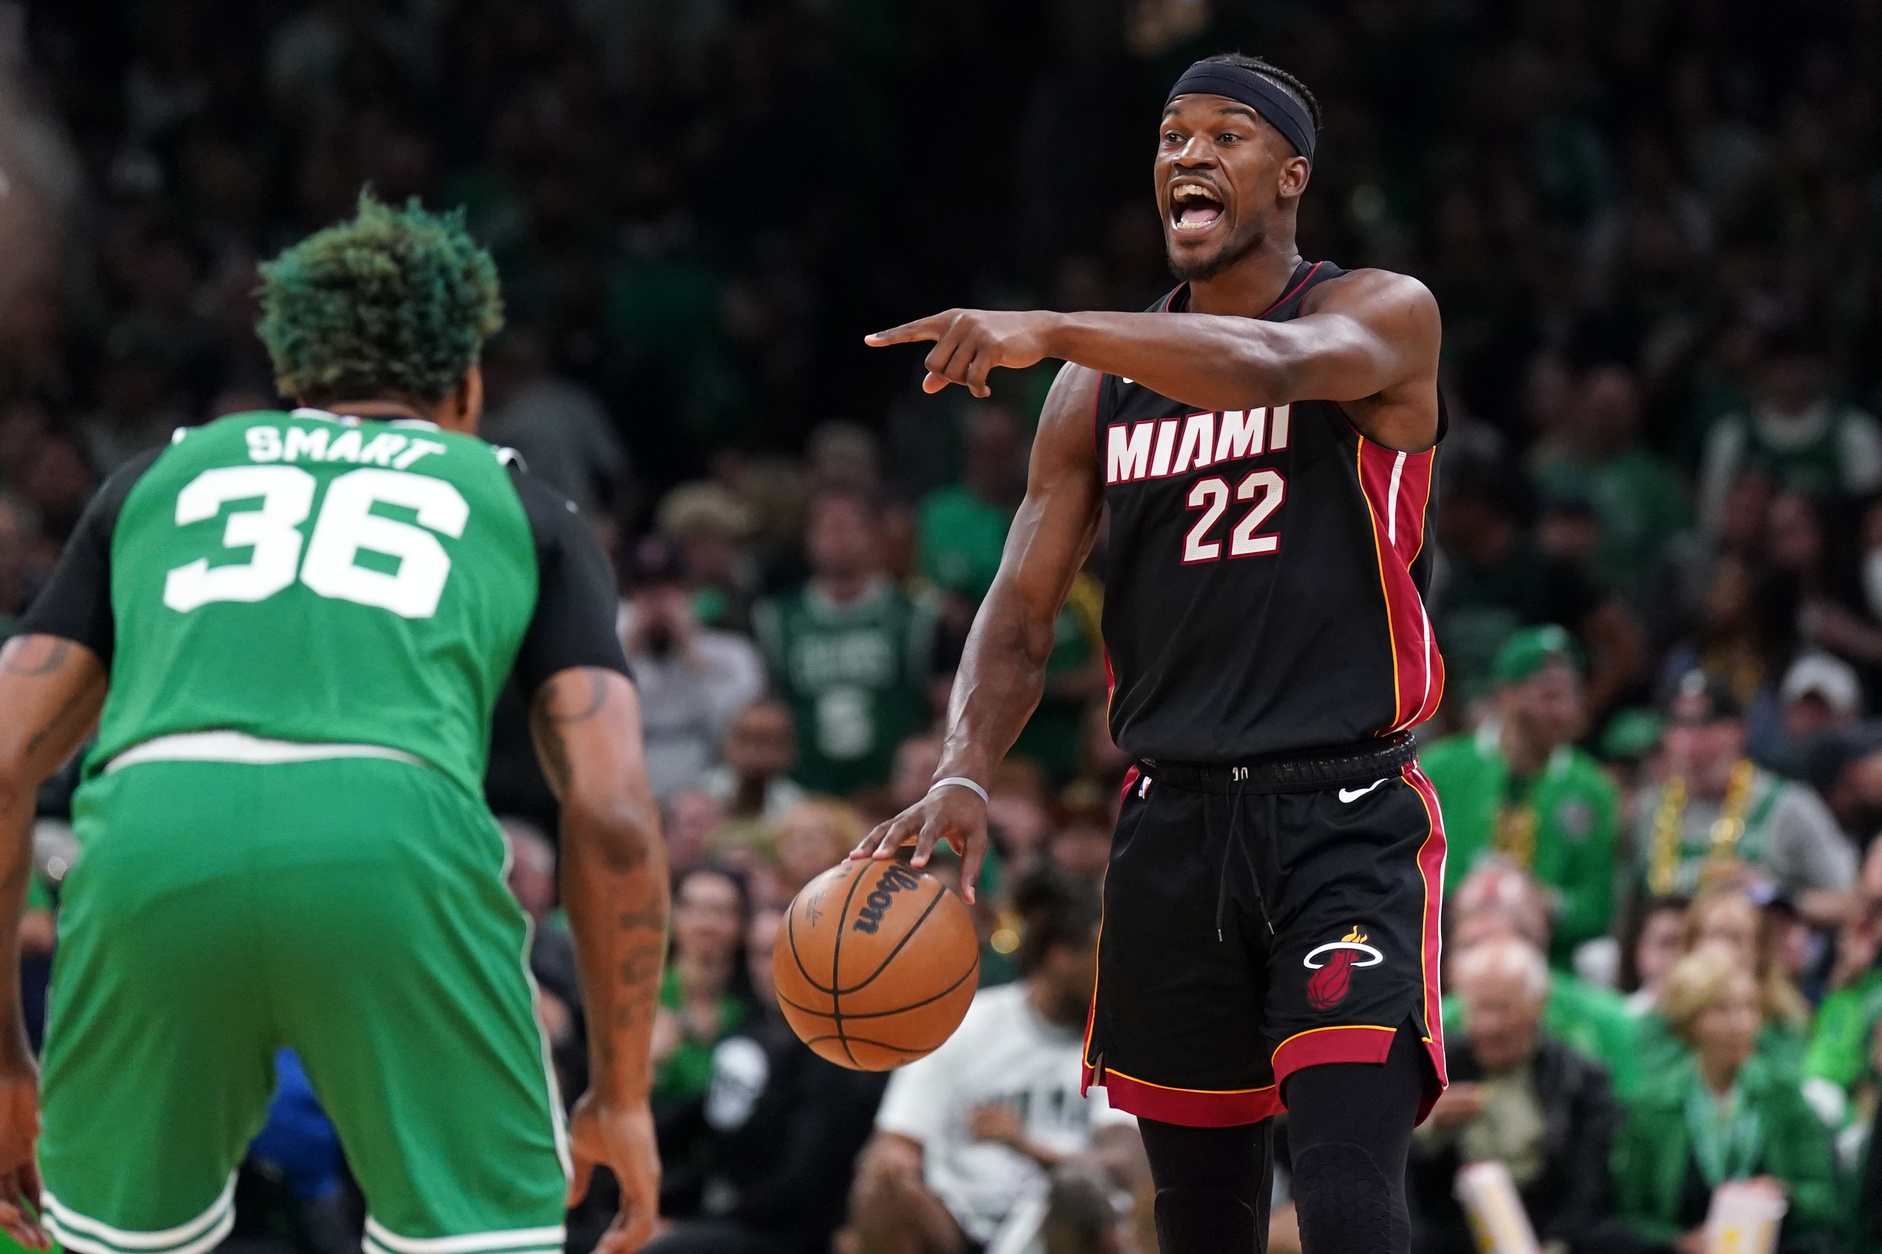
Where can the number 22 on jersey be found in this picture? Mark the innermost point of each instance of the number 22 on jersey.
(346, 525)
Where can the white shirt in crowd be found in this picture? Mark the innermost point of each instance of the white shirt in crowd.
(1003, 1052)
(688, 701)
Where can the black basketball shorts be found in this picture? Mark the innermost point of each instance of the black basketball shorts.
(1248, 934)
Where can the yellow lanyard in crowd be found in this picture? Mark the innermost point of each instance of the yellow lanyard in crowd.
(1722, 844)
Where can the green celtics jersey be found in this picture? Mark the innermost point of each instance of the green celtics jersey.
(856, 676)
(307, 578)
(1560, 826)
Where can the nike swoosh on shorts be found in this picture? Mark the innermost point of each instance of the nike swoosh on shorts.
(1354, 794)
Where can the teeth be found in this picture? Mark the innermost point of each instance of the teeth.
(1192, 190)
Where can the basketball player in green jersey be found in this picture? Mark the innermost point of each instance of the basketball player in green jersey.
(290, 629)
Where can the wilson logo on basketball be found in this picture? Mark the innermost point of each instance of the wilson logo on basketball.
(894, 880)
(1333, 973)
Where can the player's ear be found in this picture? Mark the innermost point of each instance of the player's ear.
(467, 401)
(1293, 176)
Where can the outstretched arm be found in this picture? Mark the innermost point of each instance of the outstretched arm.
(1003, 670)
(1367, 340)
(586, 724)
(52, 690)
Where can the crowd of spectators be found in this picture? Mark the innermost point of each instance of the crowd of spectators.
(1654, 230)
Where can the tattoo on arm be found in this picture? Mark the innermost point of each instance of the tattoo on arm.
(14, 660)
(647, 917)
(558, 705)
(78, 704)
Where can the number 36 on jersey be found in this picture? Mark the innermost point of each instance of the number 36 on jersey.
(355, 550)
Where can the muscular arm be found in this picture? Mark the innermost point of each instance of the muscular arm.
(1367, 340)
(1003, 670)
(586, 724)
(52, 690)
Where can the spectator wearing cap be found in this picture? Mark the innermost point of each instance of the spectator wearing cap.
(693, 680)
(713, 528)
(1720, 818)
(1519, 788)
(1820, 696)
(1796, 434)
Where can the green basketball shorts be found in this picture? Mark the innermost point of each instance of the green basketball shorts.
(354, 909)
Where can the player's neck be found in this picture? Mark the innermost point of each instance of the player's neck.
(381, 409)
(444, 414)
(1250, 286)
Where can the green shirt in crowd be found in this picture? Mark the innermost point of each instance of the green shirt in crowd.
(1839, 1048)
(1788, 833)
(962, 537)
(687, 1071)
(855, 675)
(1560, 826)
(1765, 1129)
(1657, 1051)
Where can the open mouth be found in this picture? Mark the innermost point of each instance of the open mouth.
(1194, 207)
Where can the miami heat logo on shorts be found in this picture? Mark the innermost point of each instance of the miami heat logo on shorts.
(1333, 972)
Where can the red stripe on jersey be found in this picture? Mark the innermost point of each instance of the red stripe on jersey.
(1431, 871)
(1397, 488)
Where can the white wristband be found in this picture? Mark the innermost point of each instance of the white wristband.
(963, 782)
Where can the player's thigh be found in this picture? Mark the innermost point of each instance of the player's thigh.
(158, 1063)
(414, 1014)
(1356, 905)
(1176, 1021)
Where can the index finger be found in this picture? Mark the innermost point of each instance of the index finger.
(929, 328)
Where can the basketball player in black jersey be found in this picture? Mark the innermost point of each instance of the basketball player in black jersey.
(1265, 441)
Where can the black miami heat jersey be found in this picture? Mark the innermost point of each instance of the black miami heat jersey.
(1267, 572)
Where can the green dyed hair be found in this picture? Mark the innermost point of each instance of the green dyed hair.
(395, 302)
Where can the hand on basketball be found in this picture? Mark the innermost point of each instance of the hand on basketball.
(621, 1139)
(955, 815)
(969, 343)
(19, 1168)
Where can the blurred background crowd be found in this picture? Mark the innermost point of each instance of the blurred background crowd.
(1654, 228)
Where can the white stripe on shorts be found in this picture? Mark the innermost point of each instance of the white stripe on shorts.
(234, 746)
(473, 1243)
(92, 1236)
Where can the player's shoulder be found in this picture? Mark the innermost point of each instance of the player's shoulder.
(1388, 290)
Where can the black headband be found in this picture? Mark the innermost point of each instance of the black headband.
(1282, 111)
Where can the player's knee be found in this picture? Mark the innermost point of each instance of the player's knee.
(1345, 1202)
(1204, 1221)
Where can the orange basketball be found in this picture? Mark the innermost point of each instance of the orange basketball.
(876, 964)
